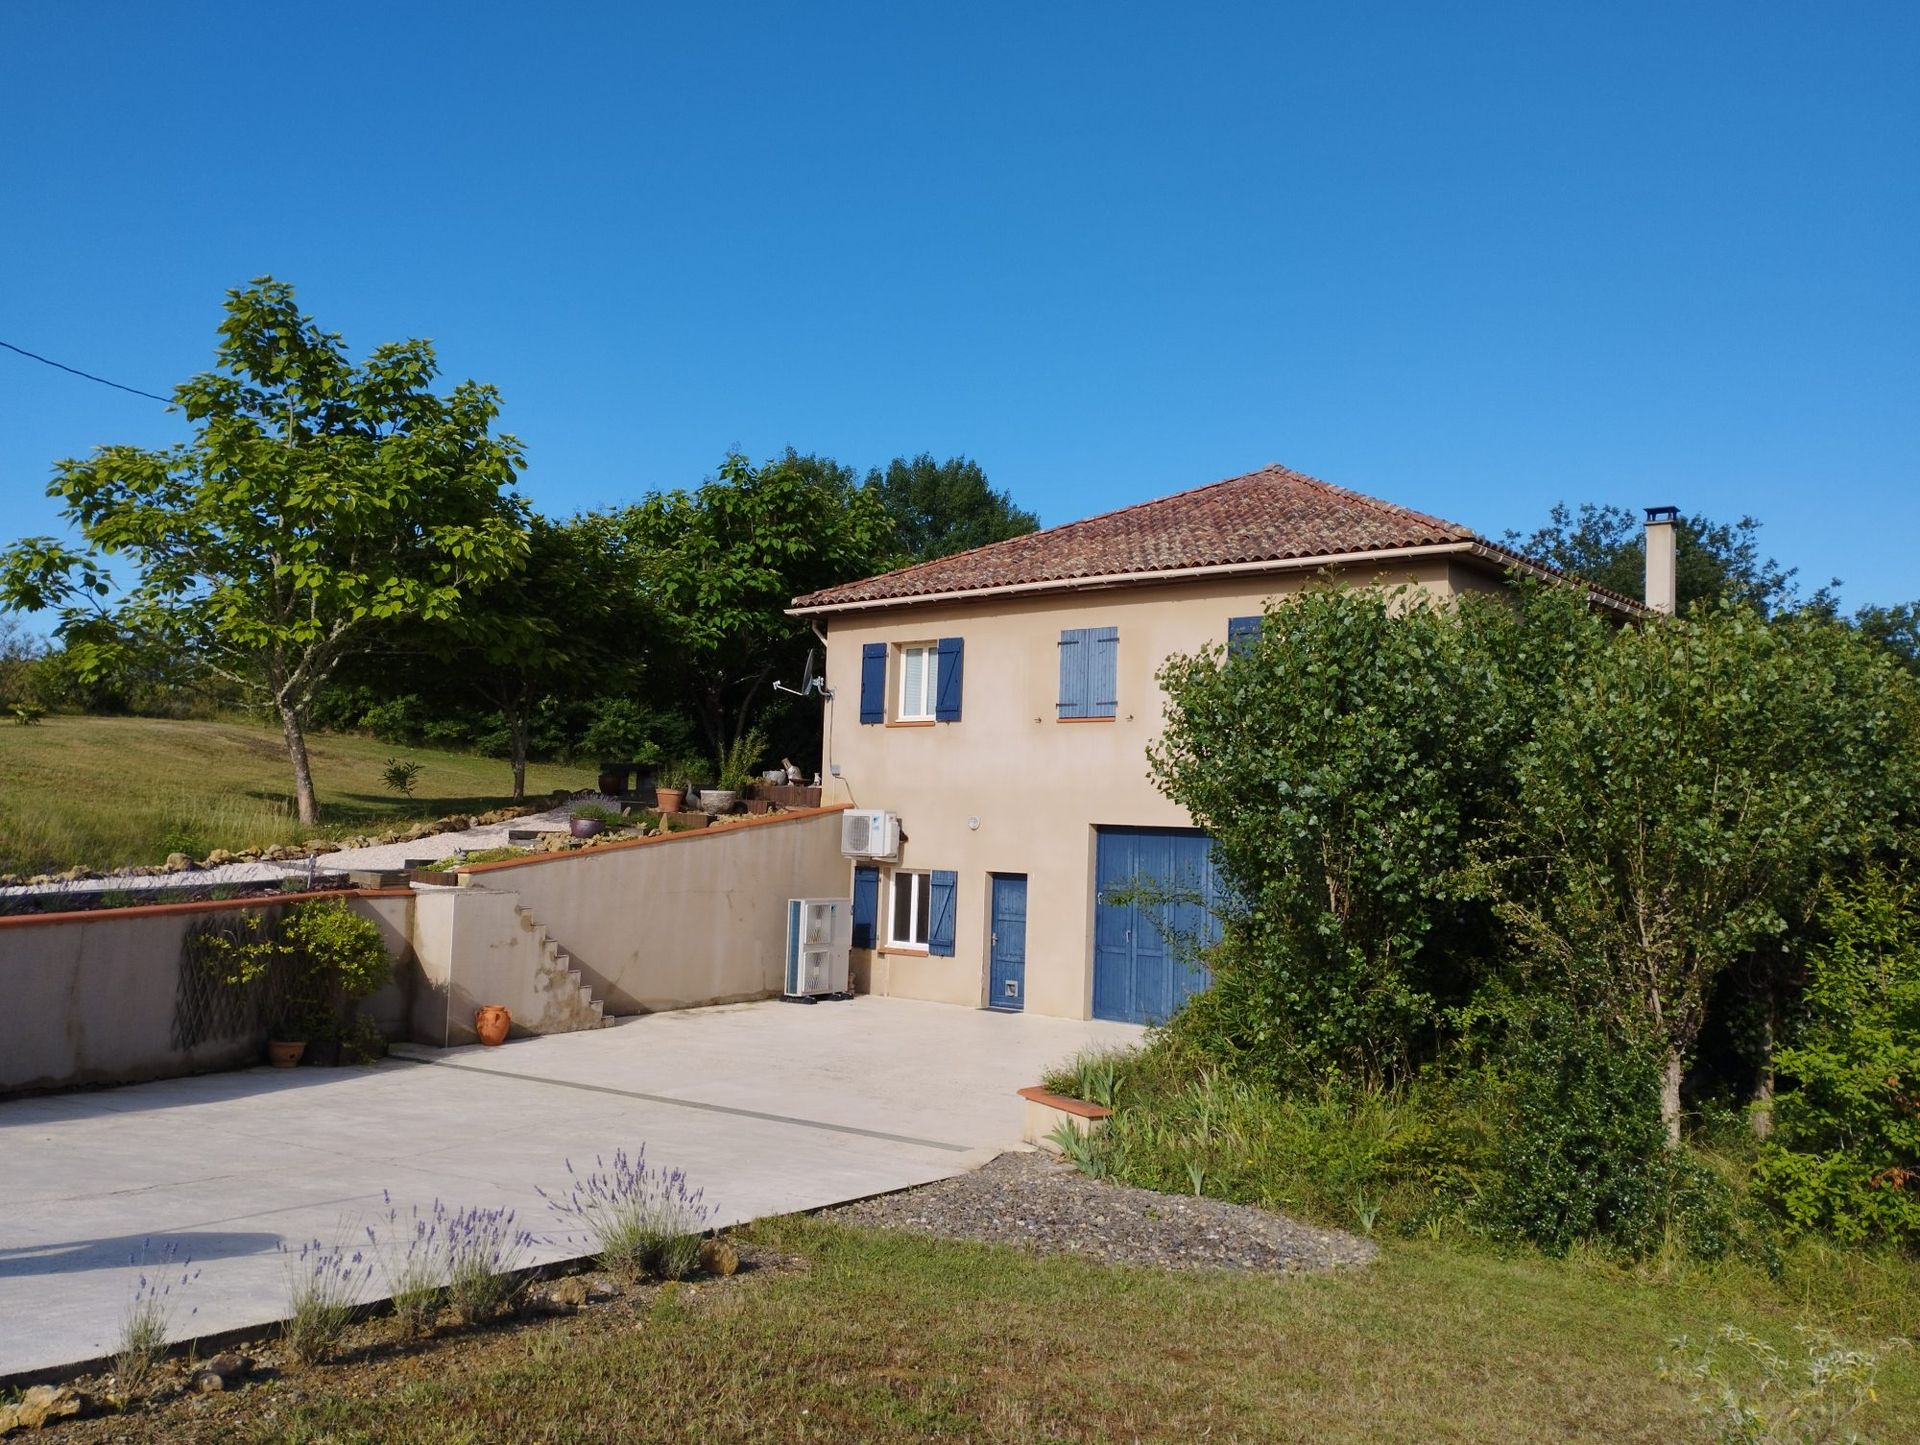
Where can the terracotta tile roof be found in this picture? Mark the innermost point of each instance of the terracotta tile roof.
(1272, 515)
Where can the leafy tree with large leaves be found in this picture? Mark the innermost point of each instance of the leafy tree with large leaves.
(722, 562)
(317, 500)
(939, 508)
(574, 619)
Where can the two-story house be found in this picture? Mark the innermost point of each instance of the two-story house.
(1000, 702)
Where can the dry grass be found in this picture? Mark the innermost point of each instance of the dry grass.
(110, 791)
(895, 1338)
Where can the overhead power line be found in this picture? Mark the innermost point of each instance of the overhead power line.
(49, 361)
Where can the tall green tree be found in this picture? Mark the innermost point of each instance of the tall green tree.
(1689, 787)
(316, 500)
(722, 562)
(573, 619)
(939, 508)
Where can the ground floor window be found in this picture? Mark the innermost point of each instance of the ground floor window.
(912, 893)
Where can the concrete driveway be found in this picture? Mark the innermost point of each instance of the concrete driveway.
(771, 1107)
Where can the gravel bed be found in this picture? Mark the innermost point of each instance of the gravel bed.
(1045, 1204)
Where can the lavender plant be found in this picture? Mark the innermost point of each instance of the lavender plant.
(149, 1315)
(480, 1251)
(411, 1265)
(324, 1288)
(642, 1220)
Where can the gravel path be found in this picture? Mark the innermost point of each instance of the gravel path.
(378, 856)
(1046, 1205)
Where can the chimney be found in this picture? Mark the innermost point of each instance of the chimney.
(1663, 587)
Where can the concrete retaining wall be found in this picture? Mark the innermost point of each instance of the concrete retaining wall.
(659, 923)
(89, 998)
(688, 919)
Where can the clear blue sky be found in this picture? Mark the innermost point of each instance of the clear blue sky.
(1472, 258)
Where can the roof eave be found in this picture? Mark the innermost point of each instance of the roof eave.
(1141, 579)
(1478, 550)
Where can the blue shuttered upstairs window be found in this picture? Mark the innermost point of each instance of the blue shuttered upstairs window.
(1089, 672)
(940, 914)
(1242, 634)
(866, 906)
(949, 656)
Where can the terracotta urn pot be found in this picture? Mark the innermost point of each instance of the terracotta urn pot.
(670, 799)
(491, 1023)
(285, 1053)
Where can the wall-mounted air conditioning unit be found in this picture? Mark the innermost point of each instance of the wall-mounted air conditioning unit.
(819, 932)
(869, 833)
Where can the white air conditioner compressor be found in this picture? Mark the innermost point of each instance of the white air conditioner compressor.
(869, 833)
(819, 933)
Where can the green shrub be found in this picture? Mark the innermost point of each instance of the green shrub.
(740, 759)
(1587, 1158)
(1343, 763)
(400, 777)
(1844, 1158)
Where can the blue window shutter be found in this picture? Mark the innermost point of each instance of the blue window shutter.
(1242, 634)
(946, 704)
(1103, 671)
(873, 682)
(866, 905)
(1073, 672)
(940, 914)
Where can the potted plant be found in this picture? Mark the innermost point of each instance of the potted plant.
(676, 776)
(737, 763)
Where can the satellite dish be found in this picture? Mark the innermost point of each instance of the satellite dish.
(809, 683)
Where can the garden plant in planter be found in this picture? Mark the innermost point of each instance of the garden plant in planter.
(317, 963)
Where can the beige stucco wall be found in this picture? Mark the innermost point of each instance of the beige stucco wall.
(1011, 789)
(675, 922)
(88, 998)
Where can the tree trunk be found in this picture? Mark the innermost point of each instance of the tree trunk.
(517, 728)
(1670, 1098)
(290, 724)
(1761, 1116)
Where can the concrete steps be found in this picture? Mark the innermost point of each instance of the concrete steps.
(572, 1005)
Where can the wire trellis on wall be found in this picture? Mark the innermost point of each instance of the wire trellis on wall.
(205, 1007)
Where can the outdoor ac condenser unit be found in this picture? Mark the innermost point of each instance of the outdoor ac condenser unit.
(869, 833)
(819, 933)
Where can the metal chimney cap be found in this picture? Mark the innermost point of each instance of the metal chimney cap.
(1663, 514)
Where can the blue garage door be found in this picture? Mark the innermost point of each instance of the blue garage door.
(1154, 896)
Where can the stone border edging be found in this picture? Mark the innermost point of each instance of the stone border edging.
(761, 820)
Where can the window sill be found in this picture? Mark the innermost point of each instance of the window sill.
(905, 950)
(1107, 719)
(916, 722)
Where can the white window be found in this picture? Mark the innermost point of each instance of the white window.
(907, 923)
(919, 670)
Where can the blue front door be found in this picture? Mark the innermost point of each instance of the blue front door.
(1007, 943)
(1154, 896)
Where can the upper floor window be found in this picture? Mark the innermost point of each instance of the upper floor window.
(918, 666)
(1089, 672)
(912, 681)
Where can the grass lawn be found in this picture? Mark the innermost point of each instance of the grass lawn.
(892, 1337)
(112, 791)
